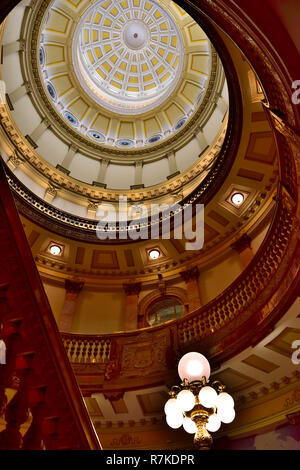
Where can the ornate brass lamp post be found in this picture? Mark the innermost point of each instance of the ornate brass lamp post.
(198, 404)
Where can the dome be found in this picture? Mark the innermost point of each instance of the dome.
(129, 56)
(124, 74)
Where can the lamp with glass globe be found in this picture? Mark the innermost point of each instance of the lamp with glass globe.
(198, 404)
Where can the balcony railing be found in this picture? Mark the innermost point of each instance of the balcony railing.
(238, 315)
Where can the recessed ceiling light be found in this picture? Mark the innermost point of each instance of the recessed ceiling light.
(237, 199)
(154, 254)
(55, 250)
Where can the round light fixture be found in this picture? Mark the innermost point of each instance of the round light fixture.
(237, 199)
(208, 397)
(55, 250)
(226, 416)
(198, 404)
(214, 423)
(189, 426)
(172, 406)
(225, 401)
(186, 400)
(175, 420)
(154, 254)
(193, 366)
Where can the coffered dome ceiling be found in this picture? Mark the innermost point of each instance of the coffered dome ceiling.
(112, 97)
(129, 54)
(77, 135)
(124, 73)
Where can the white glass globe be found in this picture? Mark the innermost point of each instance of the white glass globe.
(226, 416)
(214, 423)
(193, 366)
(186, 400)
(189, 426)
(172, 406)
(208, 397)
(175, 420)
(224, 401)
(55, 250)
(237, 199)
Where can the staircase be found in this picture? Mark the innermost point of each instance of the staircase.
(40, 403)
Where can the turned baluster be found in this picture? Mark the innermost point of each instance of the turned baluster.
(72, 350)
(12, 339)
(89, 352)
(77, 350)
(33, 439)
(107, 351)
(96, 351)
(17, 411)
(83, 354)
(101, 350)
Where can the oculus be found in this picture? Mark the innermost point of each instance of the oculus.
(125, 143)
(42, 56)
(180, 124)
(51, 91)
(154, 139)
(72, 120)
(97, 136)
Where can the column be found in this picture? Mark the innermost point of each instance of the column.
(138, 176)
(221, 104)
(201, 139)
(73, 289)
(12, 47)
(138, 173)
(65, 164)
(243, 248)
(39, 131)
(19, 93)
(172, 165)
(132, 292)
(102, 174)
(190, 278)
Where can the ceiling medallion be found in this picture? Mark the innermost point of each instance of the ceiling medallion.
(136, 35)
(128, 57)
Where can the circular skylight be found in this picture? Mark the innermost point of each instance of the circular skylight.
(129, 54)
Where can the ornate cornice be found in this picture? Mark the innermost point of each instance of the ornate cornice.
(43, 103)
(65, 183)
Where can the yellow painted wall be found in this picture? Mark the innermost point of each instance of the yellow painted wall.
(56, 297)
(212, 281)
(99, 312)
